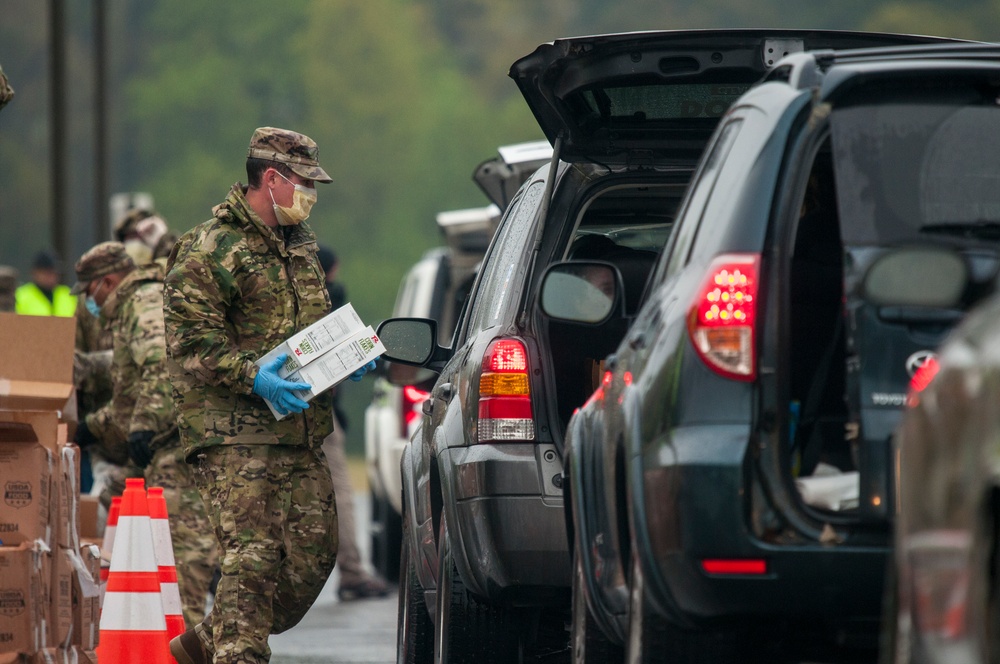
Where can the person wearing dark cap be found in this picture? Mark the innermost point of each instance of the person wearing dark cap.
(44, 295)
(238, 285)
(141, 410)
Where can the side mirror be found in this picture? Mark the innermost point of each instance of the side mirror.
(581, 292)
(408, 340)
(917, 277)
(412, 341)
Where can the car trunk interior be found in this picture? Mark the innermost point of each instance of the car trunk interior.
(625, 225)
(822, 441)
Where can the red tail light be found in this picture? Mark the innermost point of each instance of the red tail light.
(505, 393)
(740, 566)
(722, 318)
(412, 398)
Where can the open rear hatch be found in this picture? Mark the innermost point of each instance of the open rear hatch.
(635, 97)
(502, 176)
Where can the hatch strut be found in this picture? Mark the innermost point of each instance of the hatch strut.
(547, 196)
(543, 212)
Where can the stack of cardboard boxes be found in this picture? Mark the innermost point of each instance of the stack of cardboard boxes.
(49, 574)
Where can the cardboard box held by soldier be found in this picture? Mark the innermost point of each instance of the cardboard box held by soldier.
(326, 352)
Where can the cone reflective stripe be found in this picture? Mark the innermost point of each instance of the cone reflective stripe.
(163, 546)
(133, 627)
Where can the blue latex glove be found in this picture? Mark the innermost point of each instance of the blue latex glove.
(277, 390)
(360, 373)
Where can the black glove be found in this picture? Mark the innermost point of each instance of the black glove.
(138, 447)
(84, 438)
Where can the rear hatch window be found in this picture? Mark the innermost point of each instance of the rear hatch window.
(915, 165)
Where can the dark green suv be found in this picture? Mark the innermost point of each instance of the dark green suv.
(730, 483)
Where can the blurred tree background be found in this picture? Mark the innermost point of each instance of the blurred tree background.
(404, 98)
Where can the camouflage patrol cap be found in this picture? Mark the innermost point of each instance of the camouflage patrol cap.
(297, 151)
(6, 92)
(99, 261)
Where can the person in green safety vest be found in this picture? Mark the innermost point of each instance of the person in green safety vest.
(44, 295)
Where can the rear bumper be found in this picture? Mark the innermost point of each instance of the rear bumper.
(694, 504)
(506, 520)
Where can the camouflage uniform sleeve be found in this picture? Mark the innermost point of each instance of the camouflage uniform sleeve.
(154, 405)
(110, 436)
(196, 293)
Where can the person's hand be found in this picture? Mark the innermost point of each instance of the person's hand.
(83, 437)
(277, 390)
(360, 373)
(138, 448)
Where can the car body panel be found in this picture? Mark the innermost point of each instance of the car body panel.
(949, 483)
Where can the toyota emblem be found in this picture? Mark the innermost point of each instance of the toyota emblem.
(917, 360)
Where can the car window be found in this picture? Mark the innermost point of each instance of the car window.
(699, 193)
(919, 168)
(503, 269)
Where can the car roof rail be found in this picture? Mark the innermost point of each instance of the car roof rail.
(959, 49)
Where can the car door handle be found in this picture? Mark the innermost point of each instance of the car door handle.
(444, 391)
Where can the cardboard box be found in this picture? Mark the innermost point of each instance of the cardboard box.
(89, 513)
(335, 365)
(36, 363)
(60, 605)
(323, 335)
(44, 425)
(326, 352)
(305, 346)
(87, 598)
(71, 655)
(24, 575)
(26, 469)
(64, 517)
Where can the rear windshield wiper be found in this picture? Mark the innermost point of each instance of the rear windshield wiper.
(980, 230)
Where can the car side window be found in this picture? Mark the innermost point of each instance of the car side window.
(503, 269)
(693, 209)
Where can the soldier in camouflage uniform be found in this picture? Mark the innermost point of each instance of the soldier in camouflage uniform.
(92, 378)
(141, 410)
(237, 286)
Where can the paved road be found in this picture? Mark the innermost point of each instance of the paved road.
(335, 632)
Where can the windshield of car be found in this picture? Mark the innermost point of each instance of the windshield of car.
(919, 169)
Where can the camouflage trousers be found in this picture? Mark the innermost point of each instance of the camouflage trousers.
(196, 551)
(273, 510)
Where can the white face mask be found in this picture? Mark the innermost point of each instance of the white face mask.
(303, 199)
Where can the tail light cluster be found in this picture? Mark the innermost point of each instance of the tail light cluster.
(505, 393)
(412, 400)
(721, 321)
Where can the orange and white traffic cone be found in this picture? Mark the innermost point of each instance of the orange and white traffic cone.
(133, 627)
(107, 545)
(163, 546)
